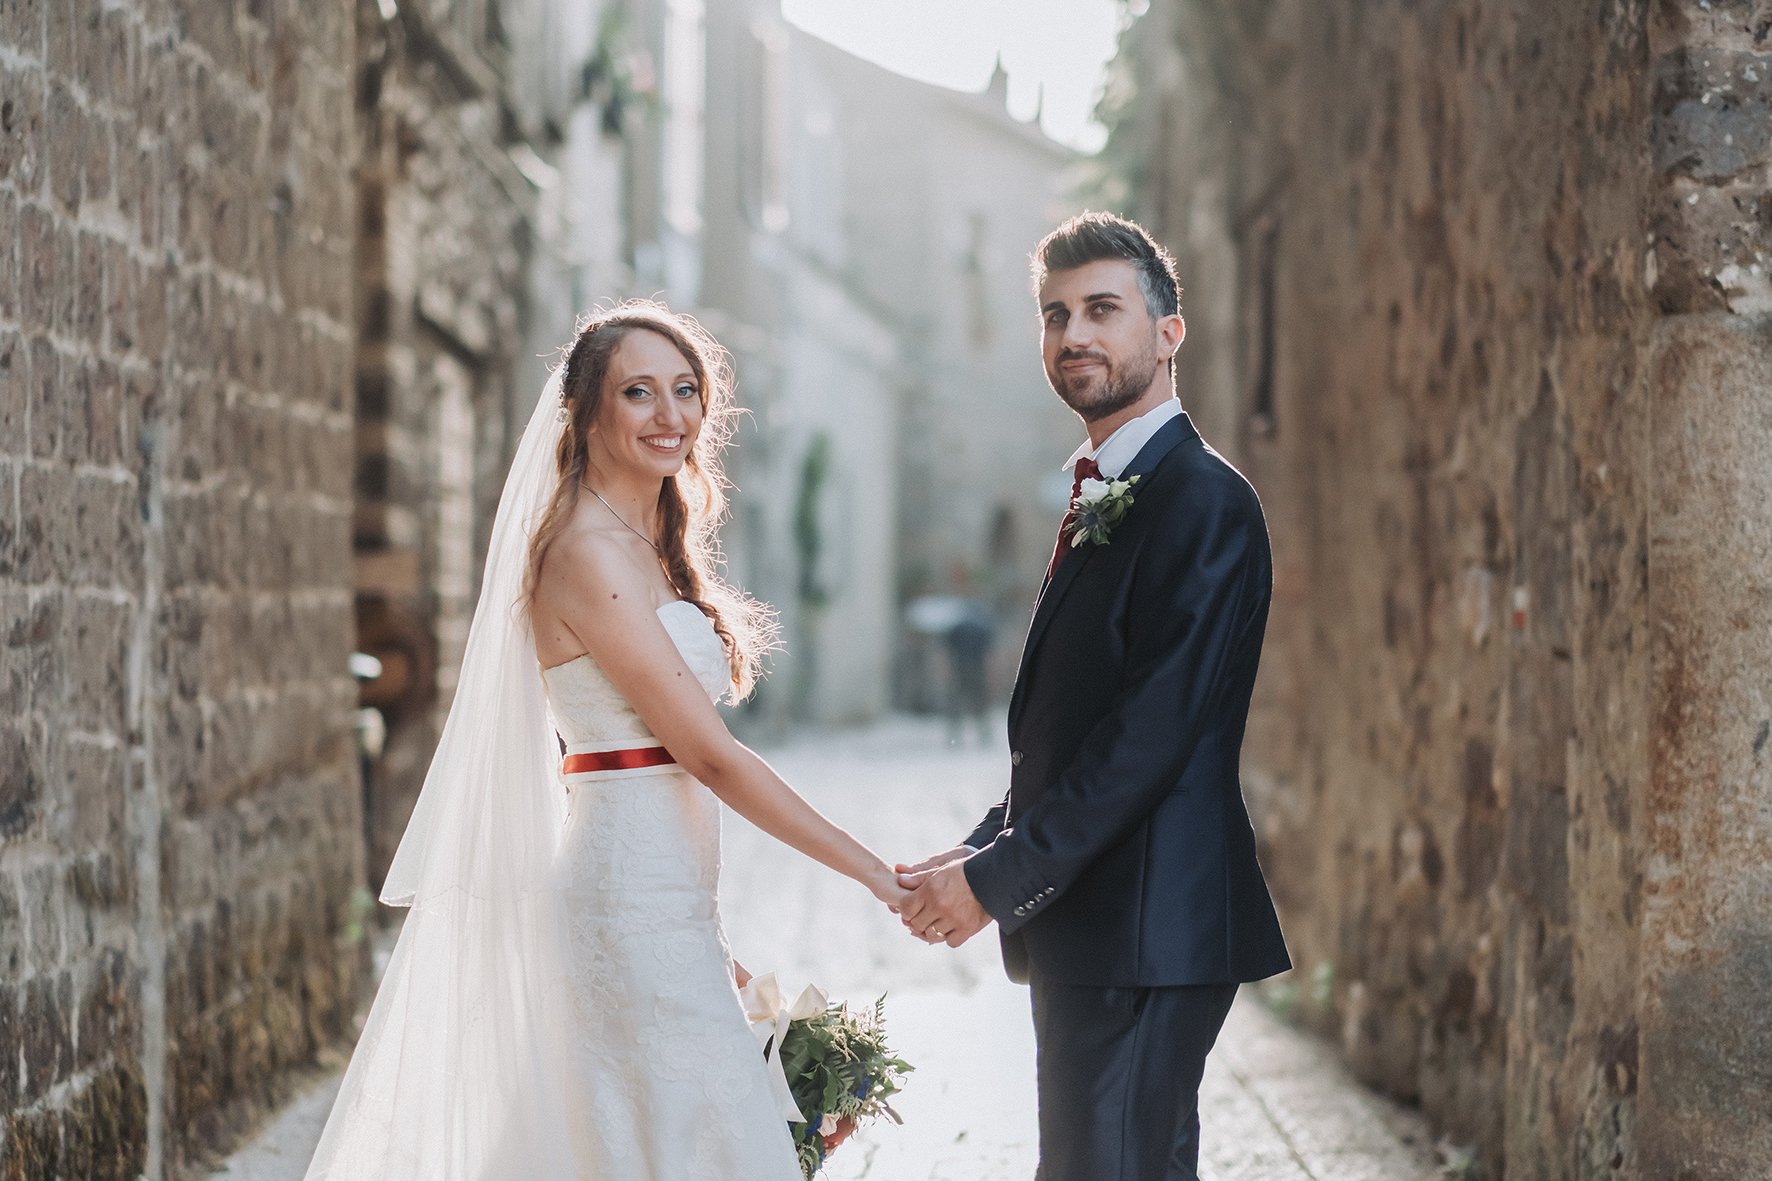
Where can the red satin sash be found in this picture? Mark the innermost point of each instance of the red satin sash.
(617, 760)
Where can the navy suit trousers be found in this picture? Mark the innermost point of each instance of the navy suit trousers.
(1119, 1078)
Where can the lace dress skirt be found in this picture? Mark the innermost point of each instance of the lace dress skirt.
(662, 1065)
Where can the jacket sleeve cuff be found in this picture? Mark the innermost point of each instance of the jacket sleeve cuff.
(1012, 904)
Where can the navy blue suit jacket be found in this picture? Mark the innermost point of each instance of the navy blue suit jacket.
(1123, 854)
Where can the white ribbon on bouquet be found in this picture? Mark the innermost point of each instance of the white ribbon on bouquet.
(769, 1018)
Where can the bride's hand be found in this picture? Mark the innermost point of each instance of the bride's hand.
(957, 853)
(885, 886)
(740, 977)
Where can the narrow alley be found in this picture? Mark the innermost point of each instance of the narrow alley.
(1275, 1105)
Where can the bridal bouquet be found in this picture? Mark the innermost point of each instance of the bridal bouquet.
(833, 1067)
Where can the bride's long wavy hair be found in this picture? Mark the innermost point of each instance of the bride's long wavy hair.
(691, 504)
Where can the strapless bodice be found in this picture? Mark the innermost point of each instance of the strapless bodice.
(586, 708)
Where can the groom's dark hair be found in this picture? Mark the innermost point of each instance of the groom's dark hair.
(1091, 237)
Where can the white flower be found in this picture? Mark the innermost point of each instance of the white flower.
(1097, 508)
(828, 1126)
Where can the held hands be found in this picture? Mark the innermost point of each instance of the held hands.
(941, 907)
(884, 884)
(957, 853)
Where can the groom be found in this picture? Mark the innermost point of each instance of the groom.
(1120, 869)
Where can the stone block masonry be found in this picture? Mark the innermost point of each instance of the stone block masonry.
(1481, 304)
(179, 815)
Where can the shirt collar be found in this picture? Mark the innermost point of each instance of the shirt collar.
(1119, 449)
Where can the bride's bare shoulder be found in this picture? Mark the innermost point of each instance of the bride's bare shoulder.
(585, 559)
(590, 594)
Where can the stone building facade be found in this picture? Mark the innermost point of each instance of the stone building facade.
(446, 233)
(1478, 298)
(864, 250)
(178, 781)
(932, 206)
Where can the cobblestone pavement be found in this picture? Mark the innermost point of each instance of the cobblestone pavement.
(1275, 1105)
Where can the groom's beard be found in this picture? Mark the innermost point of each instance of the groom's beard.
(1117, 387)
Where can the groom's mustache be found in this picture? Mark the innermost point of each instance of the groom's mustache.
(1074, 355)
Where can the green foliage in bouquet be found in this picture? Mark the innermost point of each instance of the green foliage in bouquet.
(837, 1064)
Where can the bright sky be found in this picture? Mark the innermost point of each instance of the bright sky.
(1060, 45)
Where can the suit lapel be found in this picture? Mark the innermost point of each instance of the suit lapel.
(1171, 433)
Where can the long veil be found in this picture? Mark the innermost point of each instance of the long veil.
(455, 1077)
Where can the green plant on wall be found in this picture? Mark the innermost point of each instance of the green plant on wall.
(617, 76)
(1323, 986)
(808, 530)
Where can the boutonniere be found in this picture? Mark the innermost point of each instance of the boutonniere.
(1098, 508)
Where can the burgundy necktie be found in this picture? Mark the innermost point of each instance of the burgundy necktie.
(1085, 470)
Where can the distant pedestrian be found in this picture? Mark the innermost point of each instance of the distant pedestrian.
(969, 649)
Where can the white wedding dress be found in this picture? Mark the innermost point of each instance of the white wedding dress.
(581, 1024)
(662, 1078)
(560, 1005)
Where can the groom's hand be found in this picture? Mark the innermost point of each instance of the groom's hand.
(941, 907)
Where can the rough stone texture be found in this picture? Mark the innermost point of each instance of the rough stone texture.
(1479, 301)
(1706, 1040)
(177, 784)
(444, 230)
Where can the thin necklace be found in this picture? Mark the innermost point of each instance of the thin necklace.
(619, 517)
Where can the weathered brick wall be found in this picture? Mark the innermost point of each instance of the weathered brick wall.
(178, 787)
(1478, 298)
(445, 232)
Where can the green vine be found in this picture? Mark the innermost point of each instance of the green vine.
(612, 78)
(808, 532)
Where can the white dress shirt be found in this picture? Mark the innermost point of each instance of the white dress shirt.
(1123, 446)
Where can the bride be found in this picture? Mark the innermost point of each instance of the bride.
(561, 1003)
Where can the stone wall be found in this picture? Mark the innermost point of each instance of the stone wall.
(1478, 298)
(444, 237)
(1705, 833)
(178, 788)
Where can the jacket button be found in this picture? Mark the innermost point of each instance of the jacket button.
(1021, 910)
(1015, 758)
